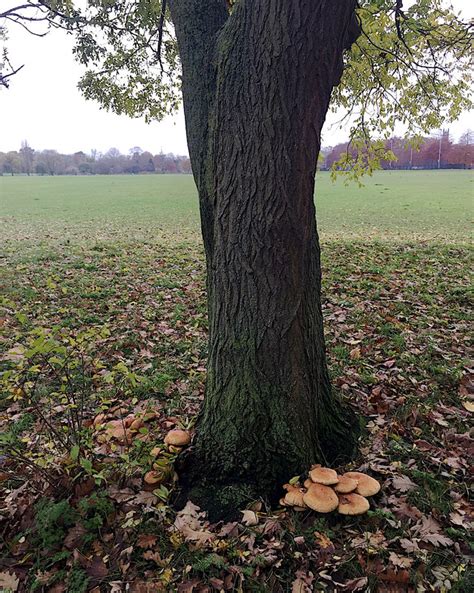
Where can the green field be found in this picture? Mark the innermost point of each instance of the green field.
(393, 205)
(103, 309)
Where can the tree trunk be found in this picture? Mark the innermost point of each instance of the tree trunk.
(257, 86)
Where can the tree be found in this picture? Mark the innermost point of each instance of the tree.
(51, 160)
(258, 77)
(41, 168)
(466, 149)
(257, 84)
(11, 163)
(27, 155)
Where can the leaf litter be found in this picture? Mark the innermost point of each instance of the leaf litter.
(397, 333)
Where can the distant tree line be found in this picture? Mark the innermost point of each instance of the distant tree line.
(28, 161)
(435, 152)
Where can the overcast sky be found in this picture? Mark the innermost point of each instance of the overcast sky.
(44, 106)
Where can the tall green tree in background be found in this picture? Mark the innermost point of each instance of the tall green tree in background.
(258, 78)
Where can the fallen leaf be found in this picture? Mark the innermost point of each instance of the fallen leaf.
(190, 522)
(229, 530)
(459, 518)
(409, 545)
(74, 536)
(354, 354)
(96, 569)
(400, 561)
(468, 405)
(249, 518)
(155, 556)
(322, 540)
(403, 483)
(355, 584)
(9, 581)
(146, 540)
(437, 539)
(299, 586)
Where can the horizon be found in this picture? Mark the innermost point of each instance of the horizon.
(93, 153)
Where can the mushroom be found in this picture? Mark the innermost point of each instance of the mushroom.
(321, 498)
(153, 477)
(177, 437)
(352, 504)
(323, 475)
(294, 496)
(98, 420)
(345, 484)
(307, 483)
(136, 424)
(366, 486)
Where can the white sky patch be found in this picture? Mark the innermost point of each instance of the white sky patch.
(44, 106)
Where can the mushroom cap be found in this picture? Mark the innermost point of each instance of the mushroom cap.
(323, 475)
(307, 483)
(321, 498)
(153, 477)
(366, 486)
(345, 484)
(177, 437)
(353, 504)
(137, 424)
(294, 497)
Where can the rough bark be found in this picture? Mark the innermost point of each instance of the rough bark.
(257, 86)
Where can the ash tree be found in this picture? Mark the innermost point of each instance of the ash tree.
(257, 79)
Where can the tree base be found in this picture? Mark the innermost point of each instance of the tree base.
(224, 498)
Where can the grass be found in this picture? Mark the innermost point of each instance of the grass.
(121, 257)
(435, 205)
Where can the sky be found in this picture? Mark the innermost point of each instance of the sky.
(44, 106)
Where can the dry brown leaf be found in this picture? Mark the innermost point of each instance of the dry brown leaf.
(299, 586)
(468, 405)
(145, 498)
(74, 536)
(96, 569)
(120, 495)
(403, 483)
(155, 556)
(147, 587)
(146, 540)
(410, 545)
(355, 584)
(459, 518)
(190, 522)
(9, 581)
(249, 518)
(400, 561)
(322, 540)
(355, 353)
